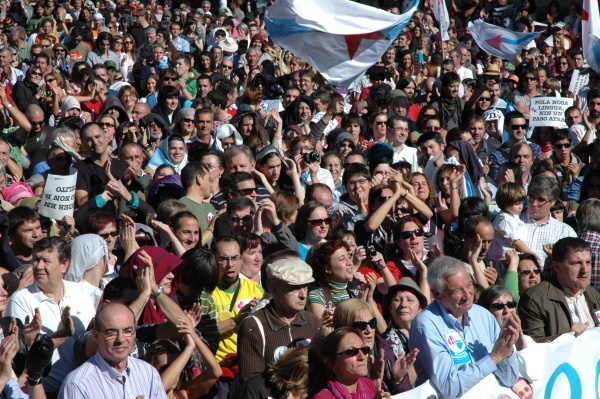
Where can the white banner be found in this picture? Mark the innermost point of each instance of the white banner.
(578, 81)
(58, 199)
(549, 111)
(567, 368)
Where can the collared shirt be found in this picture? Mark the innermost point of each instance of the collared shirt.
(593, 238)
(182, 45)
(455, 357)
(502, 155)
(76, 296)
(537, 235)
(97, 379)
(408, 154)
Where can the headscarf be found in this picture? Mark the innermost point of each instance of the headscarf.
(68, 104)
(161, 156)
(86, 252)
(470, 159)
(164, 263)
(225, 131)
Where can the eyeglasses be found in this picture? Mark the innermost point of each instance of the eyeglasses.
(540, 202)
(500, 305)
(127, 96)
(247, 191)
(245, 219)
(227, 66)
(50, 80)
(46, 45)
(37, 123)
(563, 63)
(169, 79)
(223, 260)
(187, 120)
(517, 127)
(408, 234)
(384, 198)
(319, 222)
(118, 79)
(113, 234)
(111, 333)
(351, 352)
(561, 146)
(128, 42)
(380, 123)
(527, 272)
(60, 50)
(119, 43)
(354, 183)
(106, 124)
(486, 99)
(362, 325)
(34, 73)
(530, 78)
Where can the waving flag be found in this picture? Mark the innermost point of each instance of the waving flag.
(340, 38)
(440, 11)
(499, 42)
(590, 32)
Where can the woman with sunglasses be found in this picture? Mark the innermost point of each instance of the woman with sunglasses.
(62, 58)
(184, 124)
(346, 366)
(362, 316)
(55, 93)
(410, 252)
(501, 303)
(523, 272)
(312, 226)
(29, 91)
(128, 56)
(478, 103)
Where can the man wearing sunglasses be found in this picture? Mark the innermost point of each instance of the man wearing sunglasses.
(565, 303)
(266, 334)
(515, 125)
(446, 331)
(565, 162)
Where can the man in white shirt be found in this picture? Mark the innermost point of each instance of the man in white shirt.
(397, 135)
(65, 308)
(459, 65)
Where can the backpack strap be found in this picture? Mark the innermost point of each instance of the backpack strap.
(262, 333)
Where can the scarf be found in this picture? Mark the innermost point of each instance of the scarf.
(340, 392)
(448, 108)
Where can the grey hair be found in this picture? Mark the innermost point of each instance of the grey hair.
(442, 268)
(151, 31)
(21, 32)
(588, 215)
(63, 130)
(254, 49)
(244, 27)
(543, 184)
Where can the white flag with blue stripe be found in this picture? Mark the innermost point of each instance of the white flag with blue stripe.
(590, 33)
(499, 42)
(341, 39)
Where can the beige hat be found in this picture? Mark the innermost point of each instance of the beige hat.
(290, 271)
(492, 69)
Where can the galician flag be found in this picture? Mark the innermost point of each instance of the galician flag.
(499, 42)
(590, 33)
(440, 12)
(340, 38)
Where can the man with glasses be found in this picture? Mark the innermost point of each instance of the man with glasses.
(541, 229)
(565, 162)
(43, 298)
(234, 297)
(516, 127)
(523, 100)
(115, 333)
(446, 330)
(565, 303)
(397, 135)
(283, 321)
(226, 68)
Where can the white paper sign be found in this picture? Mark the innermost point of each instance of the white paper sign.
(578, 81)
(549, 111)
(58, 199)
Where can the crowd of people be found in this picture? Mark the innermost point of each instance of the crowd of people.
(241, 228)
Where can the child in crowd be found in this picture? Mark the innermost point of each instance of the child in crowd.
(508, 226)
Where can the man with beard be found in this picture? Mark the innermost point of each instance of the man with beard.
(446, 331)
(264, 336)
(478, 236)
(234, 297)
(450, 106)
(565, 303)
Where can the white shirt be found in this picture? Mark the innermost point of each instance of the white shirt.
(408, 154)
(578, 132)
(76, 296)
(464, 73)
(324, 177)
(508, 228)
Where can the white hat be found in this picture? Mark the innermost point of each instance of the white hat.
(229, 45)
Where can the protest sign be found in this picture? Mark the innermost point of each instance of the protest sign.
(578, 81)
(565, 368)
(58, 199)
(548, 111)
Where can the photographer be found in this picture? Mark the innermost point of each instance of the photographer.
(308, 162)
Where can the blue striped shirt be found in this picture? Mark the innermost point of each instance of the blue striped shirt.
(97, 379)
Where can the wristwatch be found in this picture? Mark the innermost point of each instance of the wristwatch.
(159, 292)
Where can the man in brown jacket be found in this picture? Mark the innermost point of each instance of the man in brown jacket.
(566, 302)
(266, 334)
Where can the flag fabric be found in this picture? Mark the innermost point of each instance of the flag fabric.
(590, 33)
(341, 39)
(499, 42)
(440, 12)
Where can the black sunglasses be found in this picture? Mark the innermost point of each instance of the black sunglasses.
(247, 191)
(362, 325)
(527, 272)
(351, 352)
(500, 305)
(319, 222)
(561, 146)
(409, 234)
